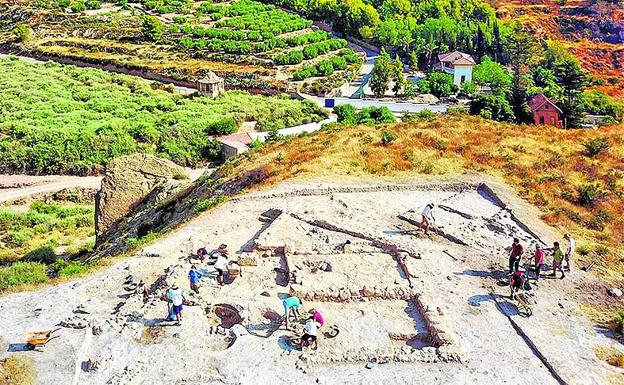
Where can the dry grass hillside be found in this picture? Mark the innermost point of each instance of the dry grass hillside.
(574, 177)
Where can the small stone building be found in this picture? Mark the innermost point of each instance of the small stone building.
(234, 144)
(545, 111)
(211, 85)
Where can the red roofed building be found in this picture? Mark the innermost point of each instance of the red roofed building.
(545, 111)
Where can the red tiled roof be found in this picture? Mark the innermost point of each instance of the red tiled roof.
(241, 137)
(539, 101)
(456, 57)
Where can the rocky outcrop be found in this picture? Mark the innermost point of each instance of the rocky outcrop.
(127, 182)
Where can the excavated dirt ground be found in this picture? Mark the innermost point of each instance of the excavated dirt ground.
(410, 308)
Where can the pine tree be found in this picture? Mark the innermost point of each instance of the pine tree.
(381, 74)
(522, 50)
(397, 75)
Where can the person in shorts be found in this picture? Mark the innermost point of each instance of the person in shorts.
(291, 305)
(311, 333)
(176, 296)
(557, 260)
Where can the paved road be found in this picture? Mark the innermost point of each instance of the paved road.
(396, 107)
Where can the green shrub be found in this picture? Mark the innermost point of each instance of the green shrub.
(93, 4)
(207, 203)
(387, 136)
(78, 6)
(441, 84)
(425, 114)
(589, 194)
(153, 29)
(19, 237)
(22, 273)
(44, 254)
(596, 146)
(22, 32)
(619, 322)
(495, 107)
(63, 268)
(346, 113)
(133, 243)
(468, 89)
(255, 144)
(423, 86)
(223, 126)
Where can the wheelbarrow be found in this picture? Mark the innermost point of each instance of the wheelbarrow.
(36, 340)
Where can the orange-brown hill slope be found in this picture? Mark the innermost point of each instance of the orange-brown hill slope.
(593, 31)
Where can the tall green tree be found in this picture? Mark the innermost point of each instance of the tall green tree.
(396, 74)
(522, 50)
(571, 78)
(381, 74)
(494, 75)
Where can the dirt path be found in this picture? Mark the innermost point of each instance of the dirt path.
(19, 186)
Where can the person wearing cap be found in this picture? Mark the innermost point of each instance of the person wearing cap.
(427, 217)
(221, 263)
(570, 252)
(176, 296)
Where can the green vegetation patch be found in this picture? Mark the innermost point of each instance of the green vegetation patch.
(35, 235)
(69, 120)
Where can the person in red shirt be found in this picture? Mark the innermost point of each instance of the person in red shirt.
(539, 261)
(514, 255)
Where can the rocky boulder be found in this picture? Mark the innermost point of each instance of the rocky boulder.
(127, 182)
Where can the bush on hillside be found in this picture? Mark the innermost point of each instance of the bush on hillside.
(596, 146)
(22, 273)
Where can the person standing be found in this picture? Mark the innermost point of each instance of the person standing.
(557, 260)
(176, 296)
(194, 277)
(539, 259)
(427, 217)
(570, 252)
(221, 268)
(515, 253)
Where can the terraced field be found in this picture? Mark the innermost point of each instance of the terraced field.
(252, 45)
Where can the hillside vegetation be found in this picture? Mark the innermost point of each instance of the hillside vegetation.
(69, 120)
(575, 177)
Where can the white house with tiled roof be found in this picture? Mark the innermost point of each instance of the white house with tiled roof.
(458, 64)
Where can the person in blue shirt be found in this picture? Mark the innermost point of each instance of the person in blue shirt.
(194, 277)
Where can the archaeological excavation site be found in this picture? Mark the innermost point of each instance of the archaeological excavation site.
(400, 305)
